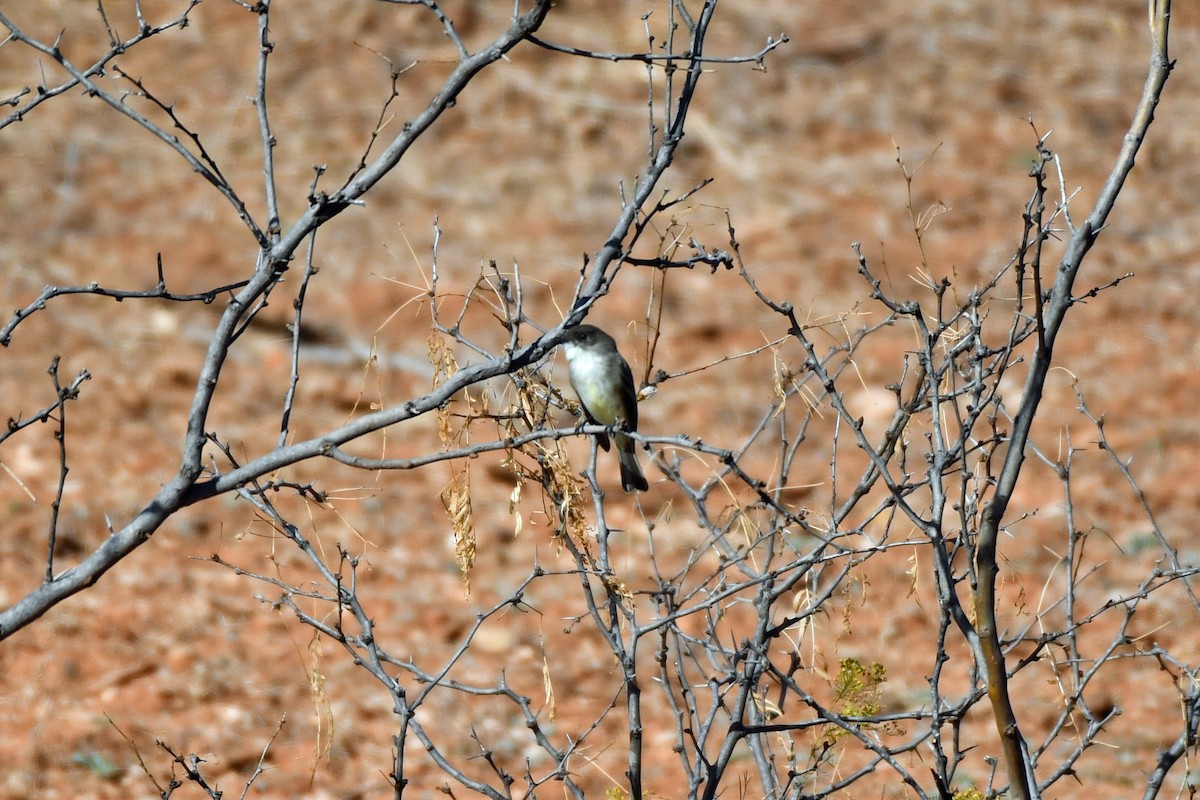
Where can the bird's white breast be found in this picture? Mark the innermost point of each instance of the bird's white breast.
(593, 384)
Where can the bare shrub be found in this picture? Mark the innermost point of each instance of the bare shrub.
(890, 440)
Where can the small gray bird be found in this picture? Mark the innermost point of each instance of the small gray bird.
(604, 383)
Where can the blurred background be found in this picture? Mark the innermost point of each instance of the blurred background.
(526, 170)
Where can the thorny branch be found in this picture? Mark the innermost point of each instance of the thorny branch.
(725, 644)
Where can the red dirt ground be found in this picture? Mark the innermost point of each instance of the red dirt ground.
(526, 170)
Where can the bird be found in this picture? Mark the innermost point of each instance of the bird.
(603, 382)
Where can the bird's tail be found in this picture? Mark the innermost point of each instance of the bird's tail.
(631, 472)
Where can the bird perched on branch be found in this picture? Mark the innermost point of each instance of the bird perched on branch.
(604, 383)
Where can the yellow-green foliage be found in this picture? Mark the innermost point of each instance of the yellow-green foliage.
(856, 691)
(856, 687)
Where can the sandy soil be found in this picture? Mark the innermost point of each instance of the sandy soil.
(527, 170)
